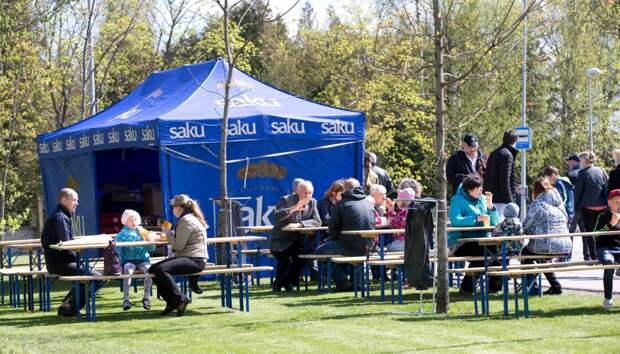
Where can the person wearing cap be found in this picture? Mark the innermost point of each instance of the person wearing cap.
(608, 247)
(590, 198)
(499, 177)
(572, 162)
(468, 160)
(546, 215)
(133, 258)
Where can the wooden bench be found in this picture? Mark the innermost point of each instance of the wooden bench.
(525, 282)
(210, 269)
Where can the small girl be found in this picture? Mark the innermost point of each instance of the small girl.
(134, 257)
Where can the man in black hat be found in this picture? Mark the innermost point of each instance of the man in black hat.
(573, 168)
(468, 160)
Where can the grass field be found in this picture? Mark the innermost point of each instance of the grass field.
(311, 322)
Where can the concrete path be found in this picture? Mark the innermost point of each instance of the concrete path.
(590, 281)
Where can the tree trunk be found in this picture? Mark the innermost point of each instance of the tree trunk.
(223, 168)
(443, 299)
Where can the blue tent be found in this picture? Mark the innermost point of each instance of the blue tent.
(166, 132)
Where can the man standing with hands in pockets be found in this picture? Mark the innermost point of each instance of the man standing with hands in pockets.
(298, 209)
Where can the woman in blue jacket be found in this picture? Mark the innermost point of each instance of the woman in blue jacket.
(469, 207)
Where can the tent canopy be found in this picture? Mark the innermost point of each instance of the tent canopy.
(185, 105)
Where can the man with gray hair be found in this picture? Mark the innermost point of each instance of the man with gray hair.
(298, 209)
(352, 212)
(57, 229)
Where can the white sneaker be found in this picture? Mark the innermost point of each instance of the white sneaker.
(608, 303)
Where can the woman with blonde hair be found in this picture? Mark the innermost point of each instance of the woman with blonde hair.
(189, 253)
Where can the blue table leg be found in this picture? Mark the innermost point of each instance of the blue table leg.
(484, 286)
(329, 275)
(93, 294)
(516, 298)
(505, 278)
(222, 286)
(355, 280)
(540, 292)
(247, 293)
(474, 286)
(525, 295)
(382, 267)
(399, 274)
(450, 281)
(306, 263)
(392, 286)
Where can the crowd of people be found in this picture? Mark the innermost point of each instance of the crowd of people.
(348, 204)
(485, 193)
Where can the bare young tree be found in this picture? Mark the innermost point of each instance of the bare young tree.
(496, 37)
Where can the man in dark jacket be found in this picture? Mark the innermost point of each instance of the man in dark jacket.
(57, 229)
(573, 168)
(468, 160)
(384, 177)
(499, 177)
(293, 210)
(353, 212)
(590, 198)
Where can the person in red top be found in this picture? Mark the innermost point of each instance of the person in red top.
(608, 247)
(399, 219)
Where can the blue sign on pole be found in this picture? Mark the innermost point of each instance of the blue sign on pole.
(524, 138)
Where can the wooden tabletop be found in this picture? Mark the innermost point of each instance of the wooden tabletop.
(66, 246)
(19, 242)
(236, 239)
(373, 233)
(265, 228)
(499, 240)
(306, 230)
(470, 228)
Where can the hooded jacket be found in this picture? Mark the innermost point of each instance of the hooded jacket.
(464, 210)
(547, 215)
(352, 212)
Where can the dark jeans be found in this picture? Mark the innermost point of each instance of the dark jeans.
(339, 271)
(608, 256)
(289, 264)
(165, 271)
(472, 249)
(589, 222)
(67, 269)
(551, 278)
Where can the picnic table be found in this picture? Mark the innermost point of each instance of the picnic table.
(501, 242)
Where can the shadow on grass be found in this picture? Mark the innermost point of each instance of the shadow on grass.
(50, 318)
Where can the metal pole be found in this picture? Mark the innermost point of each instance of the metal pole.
(590, 114)
(523, 115)
(93, 100)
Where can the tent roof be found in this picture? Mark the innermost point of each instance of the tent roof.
(185, 105)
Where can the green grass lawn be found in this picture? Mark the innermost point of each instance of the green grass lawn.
(311, 322)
